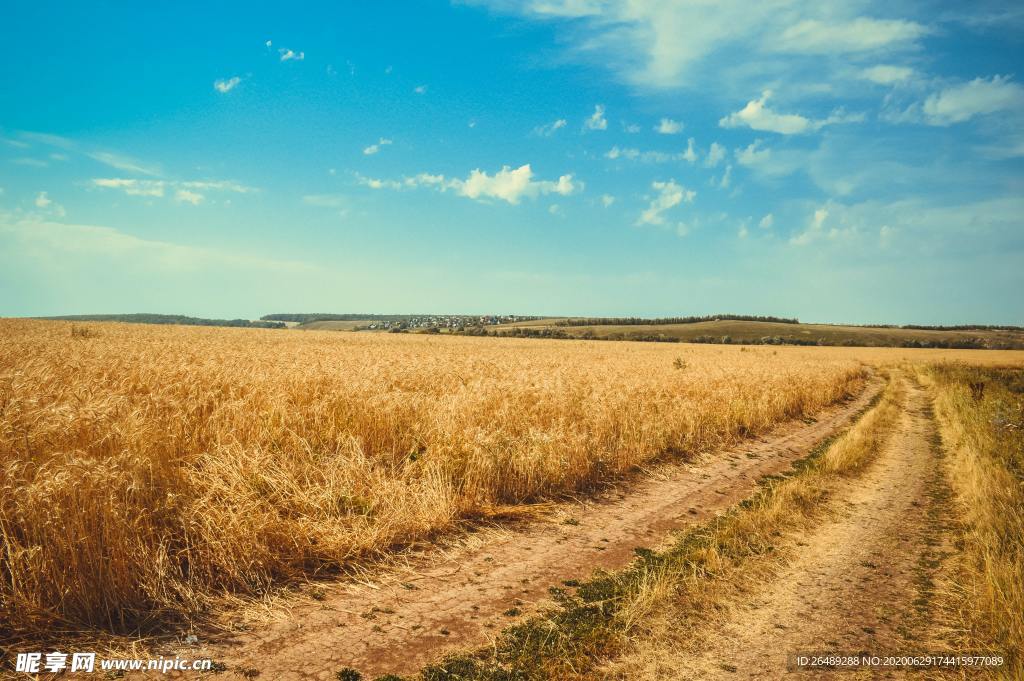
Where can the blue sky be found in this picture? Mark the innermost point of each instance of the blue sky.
(843, 161)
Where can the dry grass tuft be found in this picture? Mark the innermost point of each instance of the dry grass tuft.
(982, 416)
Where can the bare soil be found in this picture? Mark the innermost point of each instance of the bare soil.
(461, 596)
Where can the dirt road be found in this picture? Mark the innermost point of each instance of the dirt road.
(463, 596)
(860, 581)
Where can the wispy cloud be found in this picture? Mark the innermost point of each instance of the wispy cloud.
(290, 55)
(887, 74)
(978, 97)
(634, 154)
(863, 34)
(226, 85)
(48, 205)
(374, 148)
(549, 129)
(184, 191)
(188, 196)
(420, 89)
(325, 200)
(48, 139)
(125, 163)
(107, 242)
(665, 44)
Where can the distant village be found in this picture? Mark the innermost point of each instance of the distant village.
(453, 322)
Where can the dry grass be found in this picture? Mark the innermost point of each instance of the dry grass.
(144, 470)
(982, 417)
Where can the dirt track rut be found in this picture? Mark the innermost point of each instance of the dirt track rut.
(859, 581)
(460, 598)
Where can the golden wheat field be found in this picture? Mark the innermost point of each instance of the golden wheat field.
(145, 470)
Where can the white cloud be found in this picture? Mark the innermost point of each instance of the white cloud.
(336, 202)
(631, 128)
(132, 187)
(716, 154)
(607, 200)
(549, 129)
(188, 196)
(45, 203)
(420, 89)
(756, 115)
(222, 85)
(216, 185)
(767, 221)
(325, 200)
(726, 179)
(597, 121)
(125, 163)
(508, 184)
(768, 163)
(186, 191)
(290, 55)
(269, 43)
(815, 228)
(886, 74)
(667, 126)
(753, 154)
(690, 155)
(862, 34)
(674, 43)
(374, 148)
(885, 235)
(978, 97)
(669, 195)
(48, 139)
(634, 154)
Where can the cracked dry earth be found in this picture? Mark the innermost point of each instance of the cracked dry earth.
(461, 597)
(859, 582)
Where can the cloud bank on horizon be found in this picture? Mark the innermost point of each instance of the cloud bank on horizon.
(848, 161)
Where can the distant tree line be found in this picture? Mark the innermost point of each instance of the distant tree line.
(590, 334)
(147, 318)
(306, 318)
(636, 321)
(962, 327)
